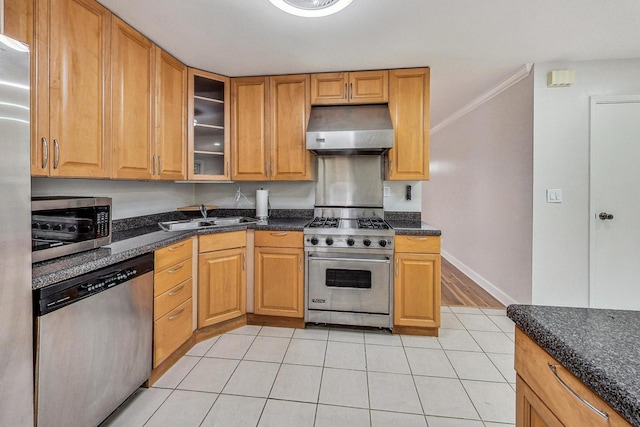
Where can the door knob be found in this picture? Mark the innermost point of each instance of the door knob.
(604, 216)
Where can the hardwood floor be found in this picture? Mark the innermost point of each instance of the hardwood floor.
(460, 290)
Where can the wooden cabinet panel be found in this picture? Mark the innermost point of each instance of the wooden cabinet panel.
(18, 20)
(221, 286)
(329, 88)
(409, 107)
(530, 411)
(419, 244)
(250, 129)
(279, 281)
(172, 298)
(218, 241)
(171, 117)
(79, 88)
(133, 85)
(173, 254)
(290, 108)
(369, 87)
(417, 290)
(279, 239)
(170, 277)
(534, 367)
(171, 331)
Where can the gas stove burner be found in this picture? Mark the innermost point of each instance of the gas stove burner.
(324, 222)
(372, 223)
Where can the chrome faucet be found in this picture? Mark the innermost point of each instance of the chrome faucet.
(203, 211)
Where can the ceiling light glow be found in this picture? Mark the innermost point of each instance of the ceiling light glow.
(311, 8)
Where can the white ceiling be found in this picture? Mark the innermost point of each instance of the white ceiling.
(470, 45)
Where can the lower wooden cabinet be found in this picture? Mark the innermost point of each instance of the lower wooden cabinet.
(531, 412)
(222, 277)
(279, 274)
(416, 300)
(173, 299)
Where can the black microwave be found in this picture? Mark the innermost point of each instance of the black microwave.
(62, 225)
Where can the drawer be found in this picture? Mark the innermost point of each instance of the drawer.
(170, 277)
(218, 241)
(279, 239)
(421, 244)
(169, 300)
(173, 254)
(171, 331)
(532, 364)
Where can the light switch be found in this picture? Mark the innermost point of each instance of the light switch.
(554, 195)
(387, 191)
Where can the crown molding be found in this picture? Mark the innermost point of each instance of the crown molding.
(520, 74)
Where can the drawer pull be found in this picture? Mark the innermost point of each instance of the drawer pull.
(176, 291)
(173, 270)
(417, 238)
(279, 234)
(602, 414)
(397, 266)
(175, 248)
(177, 314)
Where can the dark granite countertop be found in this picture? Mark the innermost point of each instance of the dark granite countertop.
(600, 347)
(413, 228)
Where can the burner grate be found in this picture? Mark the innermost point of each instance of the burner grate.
(325, 222)
(372, 224)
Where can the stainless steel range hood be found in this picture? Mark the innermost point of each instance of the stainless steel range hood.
(355, 129)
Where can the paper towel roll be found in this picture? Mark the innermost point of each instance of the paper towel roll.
(262, 204)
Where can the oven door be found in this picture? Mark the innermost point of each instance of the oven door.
(357, 283)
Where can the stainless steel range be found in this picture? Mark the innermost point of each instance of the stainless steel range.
(349, 247)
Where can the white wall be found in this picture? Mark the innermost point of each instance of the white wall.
(282, 195)
(561, 160)
(480, 192)
(130, 198)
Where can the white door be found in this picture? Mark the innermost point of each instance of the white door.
(615, 203)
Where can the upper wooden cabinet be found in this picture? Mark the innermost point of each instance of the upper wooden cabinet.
(358, 87)
(208, 124)
(268, 131)
(72, 89)
(18, 20)
(409, 107)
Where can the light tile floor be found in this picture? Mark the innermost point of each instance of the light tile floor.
(317, 377)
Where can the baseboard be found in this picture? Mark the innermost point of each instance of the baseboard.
(481, 281)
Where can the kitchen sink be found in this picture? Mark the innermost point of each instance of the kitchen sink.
(200, 223)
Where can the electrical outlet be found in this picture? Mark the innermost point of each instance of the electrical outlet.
(408, 192)
(387, 191)
(554, 195)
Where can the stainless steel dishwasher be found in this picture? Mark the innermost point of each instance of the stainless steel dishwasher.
(93, 342)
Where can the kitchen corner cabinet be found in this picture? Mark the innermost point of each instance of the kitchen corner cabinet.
(173, 299)
(268, 131)
(416, 293)
(72, 86)
(222, 277)
(408, 160)
(542, 400)
(208, 124)
(279, 273)
(357, 87)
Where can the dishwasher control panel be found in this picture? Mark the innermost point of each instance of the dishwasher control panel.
(61, 294)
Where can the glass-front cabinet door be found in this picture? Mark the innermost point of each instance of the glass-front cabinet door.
(209, 118)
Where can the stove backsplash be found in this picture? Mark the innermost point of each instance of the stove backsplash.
(353, 181)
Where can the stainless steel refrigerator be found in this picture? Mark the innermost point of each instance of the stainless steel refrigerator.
(16, 319)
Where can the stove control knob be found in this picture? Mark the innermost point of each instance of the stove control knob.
(350, 241)
(314, 240)
(367, 242)
(382, 243)
(73, 228)
(329, 241)
(57, 227)
(46, 226)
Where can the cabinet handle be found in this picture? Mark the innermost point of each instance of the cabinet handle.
(244, 260)
(176, 291)
(417, 238)
(272, 169)
(602, 414)
(299, 263)
(227, 171)
(45, 152)
(175, 248)
(350, 90)
(173, 270)
(177, 314)
(346, 91)
(397, 266)
(279, 234)
(266, 169)
(159, 165)
(56, 159)
(154, 165)
(390, 167)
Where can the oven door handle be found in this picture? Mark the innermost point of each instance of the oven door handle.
(321, 258)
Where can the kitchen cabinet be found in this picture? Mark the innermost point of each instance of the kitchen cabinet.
(208, 124)
(268, 134)
(542, 399)
(173, 299)
(356, 87)
(408, 160)
(279, 273)
(222, 277)
(416, 293)
(18, 20)
(72, 89)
